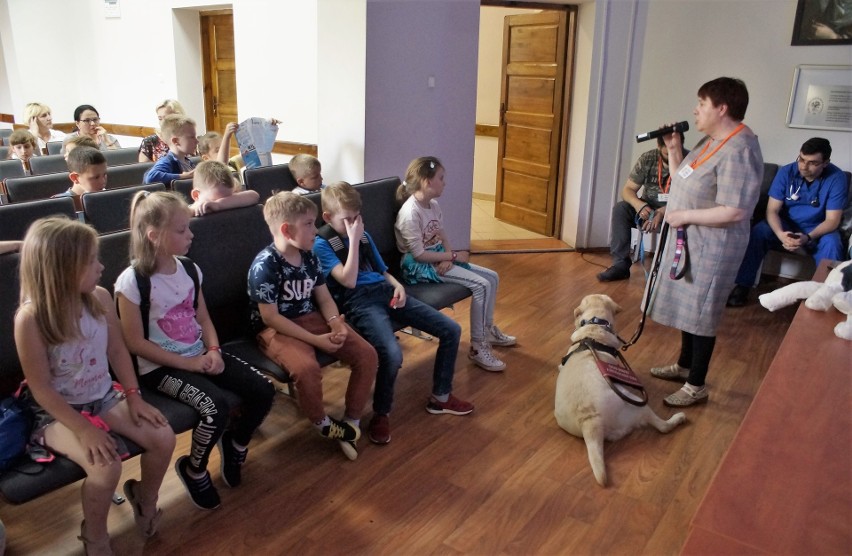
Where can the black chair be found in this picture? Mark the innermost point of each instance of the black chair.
(5, 133)
(268, 180)
(127, 174)
(17, 217)
(184, 187)
(30, 188)
(120, 157)
(11, 168)
(54, 147)
(48, 164)
(109, 210)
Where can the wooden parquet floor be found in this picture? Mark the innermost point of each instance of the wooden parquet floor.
(504, 480)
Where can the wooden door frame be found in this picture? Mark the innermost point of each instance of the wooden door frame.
(206, 78)
(567, 93)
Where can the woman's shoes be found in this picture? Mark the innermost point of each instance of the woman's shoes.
(670, 372)
(147, 525)
(686, 396)
(92, 547)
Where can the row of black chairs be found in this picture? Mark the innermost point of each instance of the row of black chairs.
(30, 188)
(55, 163)
(106, 211)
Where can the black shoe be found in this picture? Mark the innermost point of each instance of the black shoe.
(341, 430)
(232, 461)
(201, 491)
(614, 273)
(739, 296)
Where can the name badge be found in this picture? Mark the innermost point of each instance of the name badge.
(685, 172)
(663, 197)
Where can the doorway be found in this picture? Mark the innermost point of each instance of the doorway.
(219, 69)
(525, 67)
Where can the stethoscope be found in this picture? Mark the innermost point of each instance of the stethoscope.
(794, 195)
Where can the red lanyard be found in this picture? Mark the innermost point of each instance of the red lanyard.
(660, 176)
(696, 163)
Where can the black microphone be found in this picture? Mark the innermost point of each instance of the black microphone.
(678, 127)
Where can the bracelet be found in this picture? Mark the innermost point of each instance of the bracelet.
(810, 239)
(639, 212)
(455, 256)
(130, 391)
(331, 319)
(214, 348)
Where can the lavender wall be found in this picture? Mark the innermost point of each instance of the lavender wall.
(407, 42)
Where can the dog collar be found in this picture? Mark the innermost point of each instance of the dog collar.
(599, 322)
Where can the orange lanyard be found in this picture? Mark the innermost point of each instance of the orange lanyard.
(696, 163)
(665, 189)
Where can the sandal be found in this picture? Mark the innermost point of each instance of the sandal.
(94, 547)
(147, 525)
(670, 372)
(687, 396)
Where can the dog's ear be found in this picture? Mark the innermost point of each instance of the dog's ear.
(613, 306)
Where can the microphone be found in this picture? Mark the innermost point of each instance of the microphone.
(678, 127)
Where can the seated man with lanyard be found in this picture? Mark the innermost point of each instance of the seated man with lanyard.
(651, 170)
(806, 202)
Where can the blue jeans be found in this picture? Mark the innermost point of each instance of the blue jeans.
(762, 239)
(368, 311)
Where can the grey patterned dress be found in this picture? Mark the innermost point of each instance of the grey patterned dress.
(731, 177)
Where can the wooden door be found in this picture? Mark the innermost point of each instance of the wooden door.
(528, 156)
(220, 70)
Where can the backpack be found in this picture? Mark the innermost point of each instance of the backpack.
(365, 256)
(14, 431)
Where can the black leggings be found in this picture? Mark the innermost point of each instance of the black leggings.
(205, 394)
(695, 352)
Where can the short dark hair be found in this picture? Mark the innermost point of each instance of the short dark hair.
(729, 91)
(817, 145)
(82, 108)
(82, 157)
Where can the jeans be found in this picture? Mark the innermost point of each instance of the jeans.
(368, 310)
(482, 283)
(762, 239)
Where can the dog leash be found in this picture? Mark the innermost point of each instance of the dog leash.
(649, 285)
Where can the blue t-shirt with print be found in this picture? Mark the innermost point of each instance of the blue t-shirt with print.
(271, 279)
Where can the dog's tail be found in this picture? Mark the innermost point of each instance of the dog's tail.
(593, 434)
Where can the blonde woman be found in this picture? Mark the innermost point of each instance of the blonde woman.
(39, 118)
(153, 147)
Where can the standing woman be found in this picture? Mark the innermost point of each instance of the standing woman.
(714, 191)
(89, 124)
(40, 119)
(153, 147)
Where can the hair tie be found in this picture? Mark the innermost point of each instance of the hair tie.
(431, 164)
(146, 193)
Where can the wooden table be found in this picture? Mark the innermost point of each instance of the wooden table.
(785, 483)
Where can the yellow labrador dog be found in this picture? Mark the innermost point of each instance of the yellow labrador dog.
(586, 406)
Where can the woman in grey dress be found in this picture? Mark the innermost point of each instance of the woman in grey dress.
(713, 194)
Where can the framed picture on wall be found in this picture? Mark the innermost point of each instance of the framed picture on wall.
(821, 98)
(820, 22)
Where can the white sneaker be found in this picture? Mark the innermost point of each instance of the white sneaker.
(496, 337)
(481, 354)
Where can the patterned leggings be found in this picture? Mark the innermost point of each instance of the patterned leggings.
(206, 394)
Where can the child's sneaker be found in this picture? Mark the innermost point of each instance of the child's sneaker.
(379, 429)
(452, 406)
(350, 450)
(232, 461)
(496, 337)
(341, 430)
(482, 355)
(201, 491)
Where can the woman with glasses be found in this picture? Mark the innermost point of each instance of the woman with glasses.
(89, 124)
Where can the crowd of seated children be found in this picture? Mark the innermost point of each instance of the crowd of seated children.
(294, 314)
(214, 189)
(39, 118)
(23, 147)
(88, 123)
(87, 170)
(373, 300)
(153, 148)
(177, 347)
(307, 173)
(179, 133)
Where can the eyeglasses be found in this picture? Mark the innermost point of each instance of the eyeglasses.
(809, 163)
(91, 121)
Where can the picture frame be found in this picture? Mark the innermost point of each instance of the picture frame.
(821, 98)
(821, 22)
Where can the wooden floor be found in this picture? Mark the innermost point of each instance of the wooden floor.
(504, 480)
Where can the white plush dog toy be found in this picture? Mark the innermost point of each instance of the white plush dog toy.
(836, 290)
